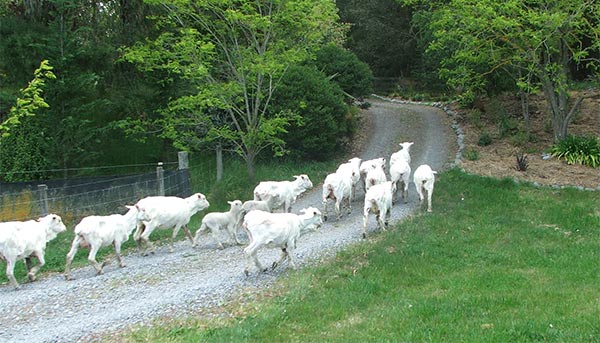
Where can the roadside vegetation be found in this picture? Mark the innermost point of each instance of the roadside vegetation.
(496, 261)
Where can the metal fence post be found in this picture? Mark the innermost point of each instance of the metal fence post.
(160, 179)
(184, 173)
(43, 192)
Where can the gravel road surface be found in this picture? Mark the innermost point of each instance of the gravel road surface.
(190, 280)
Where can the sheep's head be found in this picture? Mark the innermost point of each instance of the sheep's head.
(235, 205)
(315, 215)
(303, 181)
(406, 145)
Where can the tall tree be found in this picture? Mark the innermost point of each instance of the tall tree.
(536, 42)
(234, 52)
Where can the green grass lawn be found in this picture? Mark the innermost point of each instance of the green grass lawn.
(495, 262)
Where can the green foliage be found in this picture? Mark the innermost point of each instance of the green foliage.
(485, 139)
(578, 149)
(487, 43)
(380, 35)
(320, 103)
(345, 69)
(30, 100)
(233, 53)
(471, 154)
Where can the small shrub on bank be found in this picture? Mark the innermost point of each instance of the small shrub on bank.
(485, 139)
(578, 149)
(471, 154)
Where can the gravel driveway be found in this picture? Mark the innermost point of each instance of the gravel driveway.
(193, 280)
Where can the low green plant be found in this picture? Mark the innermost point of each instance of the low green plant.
(578, 149)
(485, 139)
(471, 154)
(522, 164)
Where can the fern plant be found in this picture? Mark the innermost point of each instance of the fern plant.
(578, 149)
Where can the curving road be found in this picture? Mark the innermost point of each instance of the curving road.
(199, 280)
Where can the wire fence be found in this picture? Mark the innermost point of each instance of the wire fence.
(75, 198)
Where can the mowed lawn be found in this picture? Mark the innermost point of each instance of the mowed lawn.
(496, 261)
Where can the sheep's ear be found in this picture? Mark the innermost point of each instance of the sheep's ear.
(296, 176)
(230, 202)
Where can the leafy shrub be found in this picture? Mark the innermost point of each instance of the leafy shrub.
(326, 120)
(578, 149)
(471, 154)
(345, 69)
(485, 139)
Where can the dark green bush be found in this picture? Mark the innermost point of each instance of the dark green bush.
(326, 119)
(485, 139)
(345, 69)
(578, 149)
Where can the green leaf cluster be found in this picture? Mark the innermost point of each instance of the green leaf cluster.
(583, 149)
(30, 100)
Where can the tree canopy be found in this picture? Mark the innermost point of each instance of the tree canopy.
(234, 54)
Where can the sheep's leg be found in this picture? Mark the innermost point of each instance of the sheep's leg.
(188, 234)
(28, 263)
(233, 233)
(284, 255)
(250, 251)
(429, 193)
(117, 246)
(364, 227)
(74, 246)
(10, 267)
(338, 212)
(145, 241)
(92, 260)
(34, 270)
(290, 255)
(214, 232)
(405, 194)
(325, 209)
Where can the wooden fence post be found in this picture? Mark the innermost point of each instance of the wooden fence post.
(43, 193)
(184, 173)
(160, 179)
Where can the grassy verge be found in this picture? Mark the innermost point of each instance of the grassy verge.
(495, 262)
(234, 185)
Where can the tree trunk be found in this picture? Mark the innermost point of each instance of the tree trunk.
(525, 111)
(250, 157)
(219, 151)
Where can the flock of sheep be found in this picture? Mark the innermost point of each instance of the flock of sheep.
(264, 227)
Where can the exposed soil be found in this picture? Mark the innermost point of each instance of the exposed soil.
(499, 158)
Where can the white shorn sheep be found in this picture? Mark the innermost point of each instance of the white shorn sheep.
(424, 179)
(100, 231)
(352, 168)
(378, 201)
(216, 221)
(375, 176)
(365, 166)
(165, 213)
(403, 153)
(400, 172)
(277, 230)
(337, 187)
(24, 239)
(282, 193)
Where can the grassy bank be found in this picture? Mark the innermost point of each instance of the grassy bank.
(234, 185)
(495, 262)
